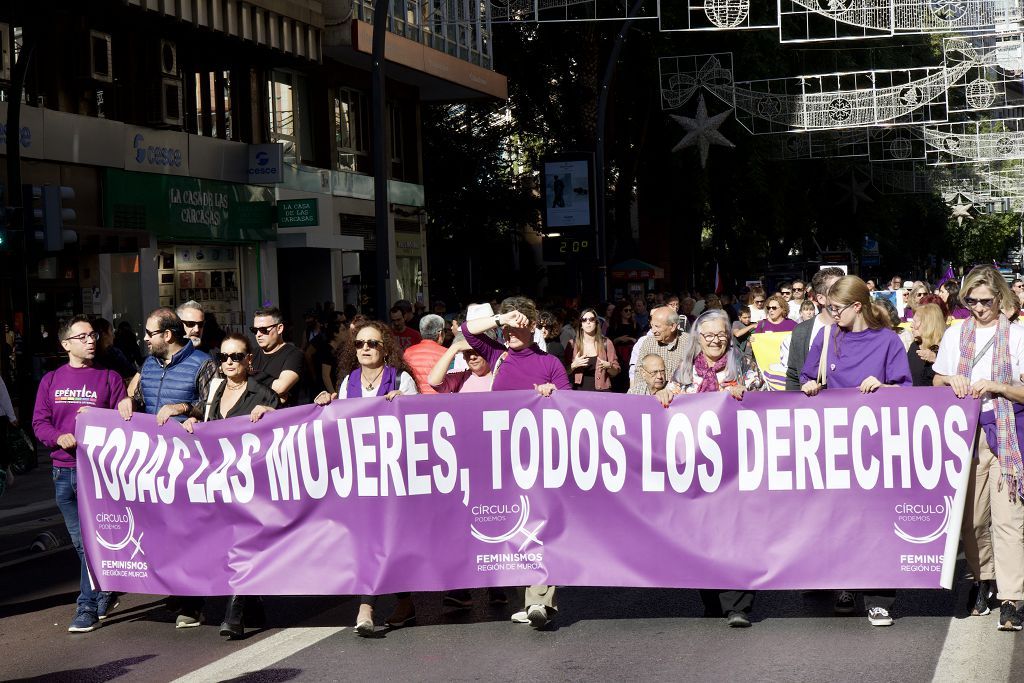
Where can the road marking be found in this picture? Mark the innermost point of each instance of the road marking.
(975, 650)
(262, 654)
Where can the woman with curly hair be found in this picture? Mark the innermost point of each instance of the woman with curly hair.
(777, 309)
(372, 366)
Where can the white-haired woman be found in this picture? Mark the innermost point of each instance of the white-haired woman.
(713, 363)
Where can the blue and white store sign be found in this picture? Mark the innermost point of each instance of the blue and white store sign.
(156, 151)
(29, 134)
(266, 163)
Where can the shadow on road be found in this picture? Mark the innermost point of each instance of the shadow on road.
(56, 600)
(96, 674)
(266, 676)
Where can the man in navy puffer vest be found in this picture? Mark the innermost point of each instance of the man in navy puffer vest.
(175, 382)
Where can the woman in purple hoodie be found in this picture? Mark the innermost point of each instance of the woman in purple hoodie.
(519, 364)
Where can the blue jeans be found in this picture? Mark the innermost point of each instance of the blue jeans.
(65, 484)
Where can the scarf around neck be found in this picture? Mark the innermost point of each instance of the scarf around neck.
(388, 382)
(708, 373)
(1007, 446)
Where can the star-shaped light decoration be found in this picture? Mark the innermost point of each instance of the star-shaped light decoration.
(854, 192)
(702, 131)
(961, 210)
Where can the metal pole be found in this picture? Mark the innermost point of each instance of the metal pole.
(380, 160)
(599, 172)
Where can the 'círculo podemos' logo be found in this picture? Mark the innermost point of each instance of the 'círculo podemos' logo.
(116, 532)
(503, 523)
(921, 519)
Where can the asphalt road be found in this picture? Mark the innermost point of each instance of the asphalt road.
(601, 634)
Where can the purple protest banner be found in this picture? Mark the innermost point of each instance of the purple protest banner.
(427, 493)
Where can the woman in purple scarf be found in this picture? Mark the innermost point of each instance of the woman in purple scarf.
(372, 365)
(983, 359)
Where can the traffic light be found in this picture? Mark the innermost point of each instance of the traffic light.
(49, 215)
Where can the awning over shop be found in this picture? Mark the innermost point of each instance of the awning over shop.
(635, 269)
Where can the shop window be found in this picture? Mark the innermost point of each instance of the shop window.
(351, 131)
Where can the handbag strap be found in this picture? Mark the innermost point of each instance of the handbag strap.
(823, 360)
(984, 350)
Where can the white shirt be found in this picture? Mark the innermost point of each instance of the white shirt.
(794, 309)
(757, 314)
(406, 385)
(634, 356)
(948, 357)
(784, 347)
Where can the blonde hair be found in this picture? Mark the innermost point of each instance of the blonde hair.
(850, 289)
(932, 325)
(989, 277)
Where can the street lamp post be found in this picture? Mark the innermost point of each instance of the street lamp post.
(380, 160)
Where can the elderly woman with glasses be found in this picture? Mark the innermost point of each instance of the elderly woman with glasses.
(372, 365)
(712, 363)
(860, 351)
(236, 395)
(983, 359)
(777, 320)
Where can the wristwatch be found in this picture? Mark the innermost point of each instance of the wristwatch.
(497, 321)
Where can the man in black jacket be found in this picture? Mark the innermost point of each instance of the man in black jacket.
(804, 333)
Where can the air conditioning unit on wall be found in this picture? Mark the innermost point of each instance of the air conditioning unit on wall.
(166, 103)
(168, 58)
(101, 64)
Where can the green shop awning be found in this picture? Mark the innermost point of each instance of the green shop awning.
(188, 209)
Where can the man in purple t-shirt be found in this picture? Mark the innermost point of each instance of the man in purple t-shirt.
(63, 394)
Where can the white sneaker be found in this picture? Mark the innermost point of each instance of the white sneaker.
(537, 615)
(520, 617)
(879, 616)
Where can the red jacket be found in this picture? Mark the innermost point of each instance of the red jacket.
(422, 358)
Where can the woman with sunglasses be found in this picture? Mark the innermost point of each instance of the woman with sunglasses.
(983, 359)
(860, 351)
(914, 300)
(776, 321)
(756, 299)
(371, 363)
(238, 394)
(590, 356)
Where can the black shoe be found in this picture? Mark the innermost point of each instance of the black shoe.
(978, 597)
(233, 626)
(738, 619)
(1009, 617)
(497, 596)
(461, 599)
(845, 603)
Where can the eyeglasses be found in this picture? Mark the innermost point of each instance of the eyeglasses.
(588, 319)
(773, 308)
(237, 357)
(758, 301)
(971, 302)
(627, 310)
(263, 330)
(368, 343)
(83, 337)
(721, 336)
(152, 333)
(786, 292)
(193, 323)
(837, 311)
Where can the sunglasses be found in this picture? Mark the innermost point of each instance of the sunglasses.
(798, 289)
(224, 357)
(263, 330)
(971, 301)
(758, 301)
(83, 337)
(152, 333)
(368, 343)
(773, 308)
(588, 319)
(193, 323)
(786, 292)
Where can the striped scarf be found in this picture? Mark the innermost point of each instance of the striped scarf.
(1007, 448)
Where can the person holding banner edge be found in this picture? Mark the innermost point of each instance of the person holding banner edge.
(235, 395)
(859, 351)
(63, 394)
(373, 366)
(519, 364)
(983, 359)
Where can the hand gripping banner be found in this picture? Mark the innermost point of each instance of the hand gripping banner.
(427, 493)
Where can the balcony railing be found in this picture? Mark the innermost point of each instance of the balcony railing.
(461, 28)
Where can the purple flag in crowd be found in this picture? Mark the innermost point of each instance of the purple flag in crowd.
(779, 491)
